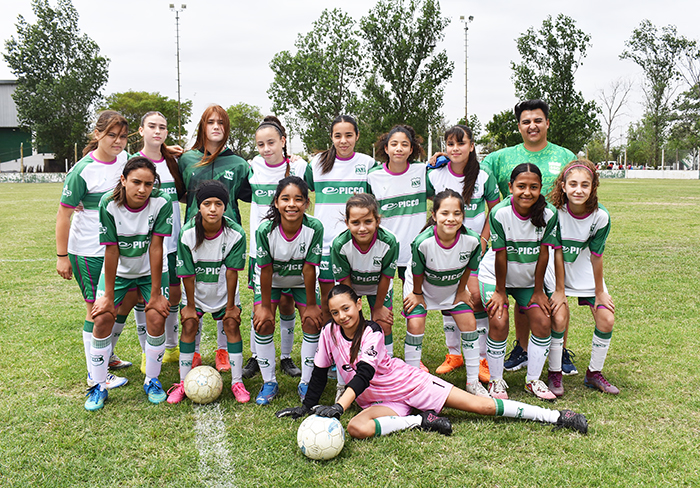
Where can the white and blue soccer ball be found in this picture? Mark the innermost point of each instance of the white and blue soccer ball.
(203, 384)
(321, 438)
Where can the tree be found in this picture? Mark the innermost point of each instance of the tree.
(321, 80)
(244, 121)
(501, 131)
(657, 52)
(60, 76)
(639, 149)
(550, 58)
(408, 76)
(133, 105)
(595, 148)
(613, 101)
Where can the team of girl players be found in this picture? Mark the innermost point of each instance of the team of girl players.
(127, 250)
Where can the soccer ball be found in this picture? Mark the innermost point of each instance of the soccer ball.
(321, 437)
(203, 384)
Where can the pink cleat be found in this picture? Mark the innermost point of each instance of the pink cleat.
(240, 393)
(176, 393)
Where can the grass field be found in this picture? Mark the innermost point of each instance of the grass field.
(647, 436)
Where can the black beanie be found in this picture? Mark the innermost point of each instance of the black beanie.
(212, 188)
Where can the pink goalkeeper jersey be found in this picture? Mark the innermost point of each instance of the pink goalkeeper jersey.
(393, 380)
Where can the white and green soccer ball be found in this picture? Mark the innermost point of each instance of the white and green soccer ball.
(321, 438)
(203, 384)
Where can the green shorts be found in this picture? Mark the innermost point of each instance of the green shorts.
(325, 273)
(87, 271)
(142, 285)
(420, 311)
(522, 296)
(388, 300)
(218, 315)
(298, 294)
(251, 273)
(173, 279)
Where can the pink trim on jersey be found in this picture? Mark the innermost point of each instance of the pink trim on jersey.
(312, 264)
(498, 199)
(568, 209)
(449, 168)
(67, 206)
(217, 234)
(521, 217)
(321, 280)
(108, 243)
(92, 155)
(126, 205)
(341, 279)
(596, 254)
(498, 248)
(386, 168)
(461, 311)
(185, 276)
(345, 159)
(551, 245)
(275, 165)
(162, 235)
(439, 243)
(371, 244)
(152, 160)
(284, 236)
(263, 266)
(388, 276)
(235, 269)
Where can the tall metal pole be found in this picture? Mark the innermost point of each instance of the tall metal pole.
(177, 37)
(466, 31)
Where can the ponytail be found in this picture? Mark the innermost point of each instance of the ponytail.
(357, 338)
(107, 119)
(472, 169)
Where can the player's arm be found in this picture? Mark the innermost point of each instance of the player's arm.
(155, 256)
(601, 297)
(499, 299)
(232, 311)
(312, 312)
(486, 231)
(380, 313)
(63, 266)
(558, 299)
(415, 298)
(538, 295)
(189, 311)
(105, 304)
(463, 294)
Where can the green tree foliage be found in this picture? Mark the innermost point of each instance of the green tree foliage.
(657, 52)
(60, 75)
(133, 105)
(501, 131)
(244, 121)
(639, 148)
(407, 74)
(321, 80)
(595, 148)
(550, 58)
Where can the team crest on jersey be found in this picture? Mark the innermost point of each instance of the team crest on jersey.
(223, 249)
(554, 167)
(323, 265)
(371, 352)
(179, 262)
(151, 219)
(261, 253)
(316, 249)
(415, 182)
(228, 174)
(103, 229)
(337, 269)
(463, 256)
(377, 261)
(169, 221)
(360, 169)
(302, 248)
(67, 192)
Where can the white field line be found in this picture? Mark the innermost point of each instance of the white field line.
(25, 260)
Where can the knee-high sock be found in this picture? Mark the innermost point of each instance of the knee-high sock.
(556, 349)
(252, 337)
(495, 354)
(537, 350)
(389, 344)
(482, 327)
(387, 425)
(87, 342)
(235, 359)
(286, 335)
(265, 346)
(471, 355)
(140, 318)
(451, 334)
(519, 410)
(99, 359)
(198, 336)
(171, 328)
(155, 347)
(117, 331)
(413, 346)
(599, 349)
(221, 340)
(186, 357)
(308, 350)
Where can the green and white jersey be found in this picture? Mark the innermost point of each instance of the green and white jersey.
(86, 182)
(167, 184)
(580, 237)
(402, 203)
(521, 240)
(485, 190)
(131, 230)
(442, 267)
(549, 160)
(229, 169)
(287, 255)
(208, 262)
(364, 268)
(263, 180)
(348, 176)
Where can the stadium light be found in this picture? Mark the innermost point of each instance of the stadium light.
(466, 30)
(177, 37)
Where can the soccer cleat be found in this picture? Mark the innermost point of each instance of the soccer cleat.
(596, 380)
(171, 355)
(452, 362)
(554, 383)
(302, 389)
(484, 373)
(143, 363)
(333, 373)
(116, 363)
(196, 360)
(424, 367)
(155, 391)
(497, 389)
(572, 420)
(96, 397)
(113, 381)
(240, 393)
(267, 393)
(540, 390)
(477, 389)
(251, 368)
(567, 364)
(339, 390)
(222, 361)
(432, 422)
(288, 366)
(517, 359)
(176, 393)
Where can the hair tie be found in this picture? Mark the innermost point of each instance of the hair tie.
(578, 166)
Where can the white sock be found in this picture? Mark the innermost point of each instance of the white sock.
(171, 328)
(471, 355)
(389, 344)
(117, 329)
(412, 349)
(265, 346)
(599, 349)
(186, 358)
(308, 350)
(387, 425)
(482, 327)
(87, 343)
(155, 347)
(495, 354)
(252, 338)
(221, 339)
(198, 335)
(140, 318)
(519, 410)
(556, 349)
(235, 359)
(100, 350)
(451, 334)
(537, 350)
(286, 335)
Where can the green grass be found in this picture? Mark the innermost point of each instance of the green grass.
(648, 435)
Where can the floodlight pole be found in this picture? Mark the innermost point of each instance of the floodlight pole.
(466, 31)
(177, 37)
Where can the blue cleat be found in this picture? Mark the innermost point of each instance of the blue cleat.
(155, 391)
(567, 364)
(96, 397)
(302, 389)
(267, 393)
(517, 359)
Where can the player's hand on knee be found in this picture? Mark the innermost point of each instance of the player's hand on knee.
(104, 305)
(294, 412)
(334, 411)
(160, 304)
(233, 313)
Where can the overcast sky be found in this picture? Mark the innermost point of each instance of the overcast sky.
(226, 46)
